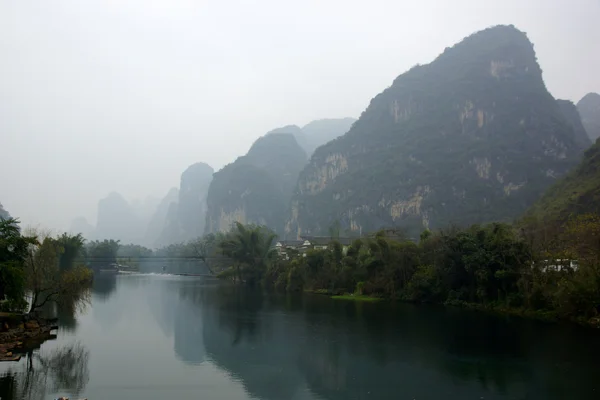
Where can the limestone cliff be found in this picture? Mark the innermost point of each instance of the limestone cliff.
(157, 223)
(571, 114)
(317, 133)
(117, 220)
(472, 137)
(185, 217)
(589, 109)
(257, 187)
(576, 193)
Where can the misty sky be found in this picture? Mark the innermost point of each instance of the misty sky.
(123, 95)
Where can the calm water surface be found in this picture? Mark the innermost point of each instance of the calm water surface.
(167, 337)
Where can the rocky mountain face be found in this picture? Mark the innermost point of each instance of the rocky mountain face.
(193, 190)
(184, 218)
(158, 221)
(577, 193)
(316, 133)
(472, 137)
(81, 225)
(589, 109)
(323, 131)
(569, 111)
(3, 213)
(117, 219)
(257, 187)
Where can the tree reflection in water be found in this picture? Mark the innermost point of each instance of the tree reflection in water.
(60, 370)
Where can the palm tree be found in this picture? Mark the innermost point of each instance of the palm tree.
(250, 249)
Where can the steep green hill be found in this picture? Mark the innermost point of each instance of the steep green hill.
(317, 133)
(473, 136)
(184, 217)
(571, 114)
(256, 188)
(589, 109)
(323, 131)
(578, 192)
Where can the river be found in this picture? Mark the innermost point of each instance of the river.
(158, 336)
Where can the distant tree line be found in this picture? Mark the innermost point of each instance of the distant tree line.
(529, 268)
(37, 268)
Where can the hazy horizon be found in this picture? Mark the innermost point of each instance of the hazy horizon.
(103, 96)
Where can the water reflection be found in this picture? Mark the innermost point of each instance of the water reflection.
(159, 336)
(279, 346)
(63, 370)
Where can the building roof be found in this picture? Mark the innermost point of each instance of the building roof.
(291, 243)
(325, 240)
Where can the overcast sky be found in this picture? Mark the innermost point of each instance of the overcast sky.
(123, 95)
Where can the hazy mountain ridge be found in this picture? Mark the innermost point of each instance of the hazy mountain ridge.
(118, 220)
(589, 109)
(571, 114)
(316, 133)
(158, 221)
(473, 136)
(576, 193)
(256, 188)
(184, 218)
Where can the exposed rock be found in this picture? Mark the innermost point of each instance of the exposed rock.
(257, 187)
(589, 109)
(576, 193)
(185, 218)
(477, 127)
(117, 220)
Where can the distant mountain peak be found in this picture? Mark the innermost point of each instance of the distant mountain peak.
(589, 109)
(474, 136)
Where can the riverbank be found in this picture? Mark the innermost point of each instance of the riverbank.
(540, 315)
(19, 332)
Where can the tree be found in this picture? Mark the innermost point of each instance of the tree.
(72, 246)
(250, 250)
(44, 278)
(13, 251)
(102, 253)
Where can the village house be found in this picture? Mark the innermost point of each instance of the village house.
(287, 247)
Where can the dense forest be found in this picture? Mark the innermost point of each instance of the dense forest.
(527, 269)
(472, 137)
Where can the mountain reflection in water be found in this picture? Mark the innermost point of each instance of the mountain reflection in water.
(159, 336)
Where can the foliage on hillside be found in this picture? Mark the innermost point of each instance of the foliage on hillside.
(571, 114)
(589, 109)
(472, 137)
(494, 266)
(256, 187)
(40, 267)
(324, 131)
(576, 193)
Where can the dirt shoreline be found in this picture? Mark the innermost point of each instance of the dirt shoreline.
(20, 332)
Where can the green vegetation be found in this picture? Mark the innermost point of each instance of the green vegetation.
(589, 109)
(576, 193)
(13, 252)
(356, 297)
(472, 137)
(102, 253)
(38, 266)
(50, 270)
(258, 186)
(495, 267)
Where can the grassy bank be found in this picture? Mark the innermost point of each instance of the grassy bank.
(356, 297)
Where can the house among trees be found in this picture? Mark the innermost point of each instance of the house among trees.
(285, 247)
